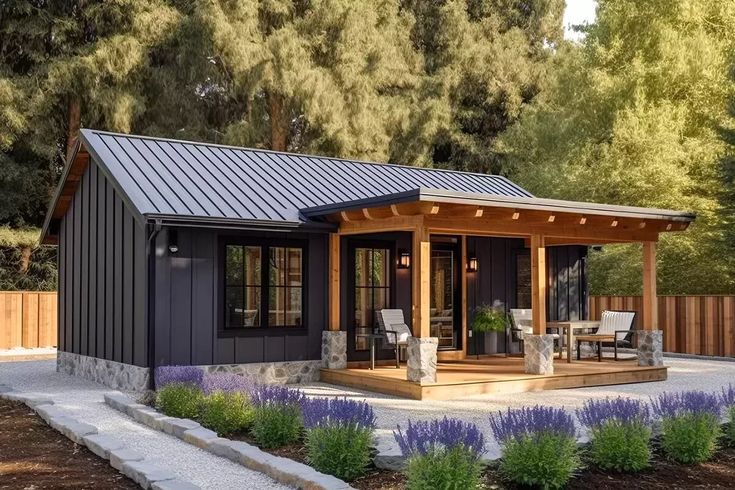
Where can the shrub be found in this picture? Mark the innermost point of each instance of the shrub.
(227, 383)
(339, 433)
(226, 412)
(728, 400)
(538, 444)
(188, 375)
(690, 425)
(276, 415)
(179, 400)
(620, 433)
(442, 454)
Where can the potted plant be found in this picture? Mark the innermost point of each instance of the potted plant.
(488, 318)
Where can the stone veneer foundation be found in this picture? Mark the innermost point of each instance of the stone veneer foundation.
(538, 354)
(288, 372)
(421, 359)
(650, 348)
(334, 349)
(116, 375)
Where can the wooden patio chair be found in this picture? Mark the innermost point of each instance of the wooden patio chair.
(616, 328)
(521, 325)
(395, 331)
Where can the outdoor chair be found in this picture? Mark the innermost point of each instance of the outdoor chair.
(616, 328)
(392, 326)
(521, 325)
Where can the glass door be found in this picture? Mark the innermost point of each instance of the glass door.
(371, 293)
(445, 317)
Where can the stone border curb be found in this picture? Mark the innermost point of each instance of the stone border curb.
(283, 470)
(124, 460)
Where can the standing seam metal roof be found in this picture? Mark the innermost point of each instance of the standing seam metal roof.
(199, 180)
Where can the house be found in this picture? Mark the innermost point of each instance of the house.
(254, 261)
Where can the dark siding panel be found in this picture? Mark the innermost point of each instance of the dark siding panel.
(61, 287)
(78, 258)
(92, 291)
(249, 348)
(162, 312)
(101, 264)
(274, 349)
(117, 343)
(110, 254)
(203, 296)
(140, 296)
(181, 300)
(225, 351)
(128, 271)
(69, 297)
(84, 291)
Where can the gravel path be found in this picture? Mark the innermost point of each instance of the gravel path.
(85, 398)
(684, 374)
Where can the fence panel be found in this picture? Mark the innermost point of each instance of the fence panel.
(702, 325)
(28, 319)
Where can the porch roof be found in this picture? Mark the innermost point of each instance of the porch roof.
(488, 200)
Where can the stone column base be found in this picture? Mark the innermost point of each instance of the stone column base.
(650, 347)
(421, 362)
(334, 349)
(539, 354)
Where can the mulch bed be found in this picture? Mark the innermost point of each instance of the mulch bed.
(35, 456)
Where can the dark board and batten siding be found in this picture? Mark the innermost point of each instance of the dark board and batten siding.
(102, 276)
(187, 310)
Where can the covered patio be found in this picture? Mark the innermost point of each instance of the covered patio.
(542, 224)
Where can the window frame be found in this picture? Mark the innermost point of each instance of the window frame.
(264, 329)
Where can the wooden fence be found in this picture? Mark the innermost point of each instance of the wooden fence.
(691, 324)
(27, 319)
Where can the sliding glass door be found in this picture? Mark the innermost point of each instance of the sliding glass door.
(371, 292)
(445, 315)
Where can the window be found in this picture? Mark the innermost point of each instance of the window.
(372, 290)
(262, 294)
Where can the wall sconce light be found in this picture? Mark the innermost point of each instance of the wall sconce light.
(404, 259)
(173, 241)
(472, 264)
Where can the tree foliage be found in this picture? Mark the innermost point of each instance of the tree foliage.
(635, 115)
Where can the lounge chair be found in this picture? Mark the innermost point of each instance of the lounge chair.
(616, 328)
(395, 331)
(521, 325)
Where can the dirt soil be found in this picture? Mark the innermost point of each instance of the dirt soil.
(35, 456)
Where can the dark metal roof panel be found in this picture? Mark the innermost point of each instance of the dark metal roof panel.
(169, 178)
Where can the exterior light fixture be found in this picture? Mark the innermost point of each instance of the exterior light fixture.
(173, 241)
(472, 264)
(404, 259)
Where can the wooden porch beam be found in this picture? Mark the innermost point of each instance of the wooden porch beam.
(394, 223)
(650, 299)
(421, 281)
(334, 289)
(538, 284)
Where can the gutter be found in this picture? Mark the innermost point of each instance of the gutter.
(151, 310)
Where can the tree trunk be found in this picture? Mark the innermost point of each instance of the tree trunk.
(73, 123)
(279, 122)
(25, 259)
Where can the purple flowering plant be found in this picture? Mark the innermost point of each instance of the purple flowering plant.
(531, 421)
(188, 375)
(595, 413)
(275, 395)
(728, 396)
(424, 437)
(337, 412)
(670, 405)
(226, 383)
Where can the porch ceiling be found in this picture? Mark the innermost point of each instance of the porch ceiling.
(563, 222)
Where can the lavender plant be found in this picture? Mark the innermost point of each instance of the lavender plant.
(339, 434)
(226, 383)
(187, 375)
(276, 415)
(441, 454)
(538, 444)
(728, 400)
(690, 424)
(619, 432)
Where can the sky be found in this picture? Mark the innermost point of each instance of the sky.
(578, 12)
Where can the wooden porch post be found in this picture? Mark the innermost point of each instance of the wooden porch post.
(650, 299)
(420, 276)
(538, 284)
(334, 289)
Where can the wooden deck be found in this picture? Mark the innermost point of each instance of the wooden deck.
(456, 379)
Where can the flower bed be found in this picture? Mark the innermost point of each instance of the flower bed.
(632, 444)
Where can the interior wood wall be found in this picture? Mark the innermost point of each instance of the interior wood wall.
(28, 319)
(702, 325)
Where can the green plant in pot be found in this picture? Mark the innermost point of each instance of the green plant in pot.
(488, 318)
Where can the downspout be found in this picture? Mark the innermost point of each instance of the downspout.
(151, 256)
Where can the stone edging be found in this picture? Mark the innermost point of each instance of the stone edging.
(283, 470)
(127, 461)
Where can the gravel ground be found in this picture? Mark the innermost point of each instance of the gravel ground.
(684, 374)
(85, 399)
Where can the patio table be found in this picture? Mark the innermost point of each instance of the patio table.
(570, 326)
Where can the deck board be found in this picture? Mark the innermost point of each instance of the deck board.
(456, 379)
